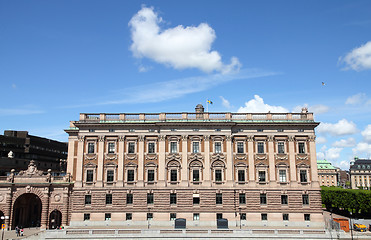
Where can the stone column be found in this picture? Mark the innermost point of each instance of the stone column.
(80, 160)
(250, 155)
(140, 161)
(9, 210)
(100, 167)
(229, 176)
(120, 167)
(45, 209)
(161, 161)
(66, 207)
(271, 162)
(71, 154)
(184, 176)
(291, 142)
(207, 170)
(313, 161)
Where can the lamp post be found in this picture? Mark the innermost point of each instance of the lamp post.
(351, 225)
(3, 218)
(239, 209)
(148, 215)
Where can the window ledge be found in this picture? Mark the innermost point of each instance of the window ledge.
(196, 182)
(284, 183)
(219, 182)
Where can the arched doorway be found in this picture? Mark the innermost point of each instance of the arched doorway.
(55, 219)
(27, 211)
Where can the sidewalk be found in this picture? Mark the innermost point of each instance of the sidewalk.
(26, 232)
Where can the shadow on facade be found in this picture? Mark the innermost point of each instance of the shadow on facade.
(27, 211)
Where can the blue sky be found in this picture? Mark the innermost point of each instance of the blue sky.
(60, 58)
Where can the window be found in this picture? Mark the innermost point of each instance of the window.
(282, 175)
(284, 199)
(173, 147)
(306, 217)
(196, 147)
(129, 198)
(303, 176)
(219, 215)
(172, 216)
(130, 176)
(243, 216)
(218, 175)
(151, 130)
(111, 147)
(89, 175)
(91, 130)
(260, 130)
(301, 130)
(196, 200)
(131, 147)
(240, 148)
(261, 176)
(150, 175)
(110, 175)
(242, 198)
(196, 175)
(301, 147)
(131, 130)
(285, 217)
(87, 199)
(172, 198)
(280, 130)
(196, 216)
(264, 217)
(218, 147)
(219, 198)
(281, 147)
(129, 216)
(305, 199)
(263, 198)
(108, 198)
(107, 216)
(149, 198)
(241, 175)
(111, 130)
(86, 216)
(91, 146)
(151, 147)
(173, 175)
(260, 147)
(149, 216)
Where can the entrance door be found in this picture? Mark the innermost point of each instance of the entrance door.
(27, 211)
(55, 219)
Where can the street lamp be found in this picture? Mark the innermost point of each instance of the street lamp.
(148, 215)
(351, 225)
(239, 209)
(3, 218)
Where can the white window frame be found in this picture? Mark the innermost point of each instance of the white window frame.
(283, 147)
(243, 147)
(154, 147)
(304, 149)
(94, 146)
(128, 146)
(257, 147)
(215, 147)
(193, 147)
(114, 147)
(176, 143)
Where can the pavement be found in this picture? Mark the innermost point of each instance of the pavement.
(26, 233)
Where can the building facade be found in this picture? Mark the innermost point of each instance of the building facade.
(360, 173)
(328, 175)
(149, 169)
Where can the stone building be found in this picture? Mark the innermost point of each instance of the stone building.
(328, 175)
(150, 168)
(360, 173)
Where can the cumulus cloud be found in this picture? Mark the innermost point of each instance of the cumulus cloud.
(359, 58)
(316, 109)
(329, 154)
(321, 140)
(341, 128)
(225, 102)
(362, 148)
(350, 142)
(367, 133)
(179, 47)
(257, 105)
(356, 99)
(344, 164)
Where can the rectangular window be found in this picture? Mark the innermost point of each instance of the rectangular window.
(243, 216)
(282, 175)
(241, 175)
(173, 175)
(280, 130)
(281, 147)
(306, 217)
(284, 199)
(110, 175)
(111, 147)
(172, 198)
(173, 147)
(91, 130)
(86, 216)
(261, 176)
(130, 176)
(131, 147)
(149, 216)
(218, 147)
(303, 176)
(111, 130)
(129, 198)
(129, 216)
(218, 175)
(108, 198)
(240, 148)
(263, 198)
(219, 215)
(219, 198)
(264, 217)
(91, 147)
(151, 147)
(87, 199)
(196, 200)
(260, 147)
(305, 199)
(301, 147)
(149, 198)
(151, 175)
(172, 216)
(285, 217)
(89, 175)
(196, 216)
(107, 216)
(242, 198)
(196, 175)
(196, 147)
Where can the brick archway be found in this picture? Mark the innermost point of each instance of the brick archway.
(27, 211)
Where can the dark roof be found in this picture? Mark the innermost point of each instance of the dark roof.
(361, 162)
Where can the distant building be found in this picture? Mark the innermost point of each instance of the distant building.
(18, 148)
(344, 178)
(360, 173)
(327, 174)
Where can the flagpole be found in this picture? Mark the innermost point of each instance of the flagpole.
(207, 106)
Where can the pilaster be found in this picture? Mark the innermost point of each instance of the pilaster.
(184, 173)
(291, 143)
(100, 161)
(80, 160)
(141, 161)
(120, 167)
(313, 161)
(161, 161)
(229, 175)
(207, 171)
(271, 162)
(250, 152)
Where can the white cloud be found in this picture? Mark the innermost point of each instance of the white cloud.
(359, 58)
(321, 140)
(329, 154)
(225, 102)
(316, 109)
(342, 127)
(179, 47)
(320, 155)
(357, 99)
(257, 105)
(362, 148)
(350, 142)
(344, 164)
(367, 133)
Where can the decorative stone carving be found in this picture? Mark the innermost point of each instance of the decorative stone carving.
(312, 138)
(2, 197)
(131, 157)
(291, 139)
(228, 138)
(217, 156)
(101, 138)
(206, 137)
(31, 171)
(184, 137)
(121, 138)
(270, 139)
(10, 178)
(161, 138)
(173, 156)
(80, 138)
(260, 157)
(281, 157)
(11, 154)
(57, 197)
(250, 138)
(301, 158)
(141, 138)
(151, 157)
(111, 157)
(90, 157)
(240, 156)
(28, 189)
